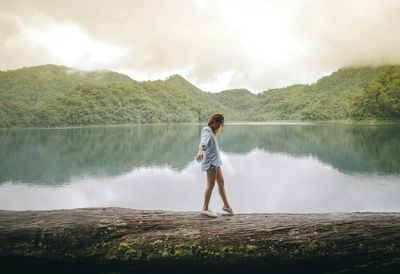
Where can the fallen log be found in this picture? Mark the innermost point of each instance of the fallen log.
(145, 241)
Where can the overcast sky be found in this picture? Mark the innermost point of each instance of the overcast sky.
(214, 44)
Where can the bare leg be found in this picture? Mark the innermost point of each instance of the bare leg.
(221, 187)
(210, 185)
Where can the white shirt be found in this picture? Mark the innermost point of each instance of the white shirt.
(209, 144)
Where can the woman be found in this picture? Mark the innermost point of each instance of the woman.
(211, 162)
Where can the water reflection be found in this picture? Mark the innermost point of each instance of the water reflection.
(313, 167)
(348, 148)
(256, 182)
(57, 156)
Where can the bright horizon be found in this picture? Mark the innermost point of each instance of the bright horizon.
(216, 45)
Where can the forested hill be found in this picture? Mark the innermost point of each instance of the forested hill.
(341, 95)
(50, 95)
(35, 84)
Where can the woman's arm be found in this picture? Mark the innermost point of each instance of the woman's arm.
(204, 140)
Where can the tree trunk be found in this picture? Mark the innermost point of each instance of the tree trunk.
(148, 241)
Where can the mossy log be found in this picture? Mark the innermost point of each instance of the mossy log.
(145, 241)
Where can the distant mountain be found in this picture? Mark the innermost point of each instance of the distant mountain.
(330, 98)
(237, 103)
(50, 95)
(380, 98)
(39, 83)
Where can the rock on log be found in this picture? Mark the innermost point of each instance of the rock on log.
(145, 241)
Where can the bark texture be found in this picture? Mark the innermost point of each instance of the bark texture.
(147, 241)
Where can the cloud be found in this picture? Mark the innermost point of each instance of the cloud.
(350, 32)
(214, 44)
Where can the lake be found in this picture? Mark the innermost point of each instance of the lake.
(268, 167)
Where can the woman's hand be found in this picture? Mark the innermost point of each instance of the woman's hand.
(199, 156)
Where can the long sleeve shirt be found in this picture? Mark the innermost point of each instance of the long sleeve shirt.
(209, 145)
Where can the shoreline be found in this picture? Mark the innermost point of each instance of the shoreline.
(268, 122)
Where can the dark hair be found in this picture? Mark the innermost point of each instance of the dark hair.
(219, 118)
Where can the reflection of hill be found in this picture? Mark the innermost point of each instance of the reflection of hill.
(54, 156)
(348, 148)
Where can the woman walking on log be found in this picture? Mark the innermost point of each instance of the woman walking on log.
(210, 159)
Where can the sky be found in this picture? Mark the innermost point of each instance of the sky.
(214, 44)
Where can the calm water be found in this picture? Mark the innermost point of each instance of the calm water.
(268, 167)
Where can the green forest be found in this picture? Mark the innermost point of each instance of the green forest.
(53, 96)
